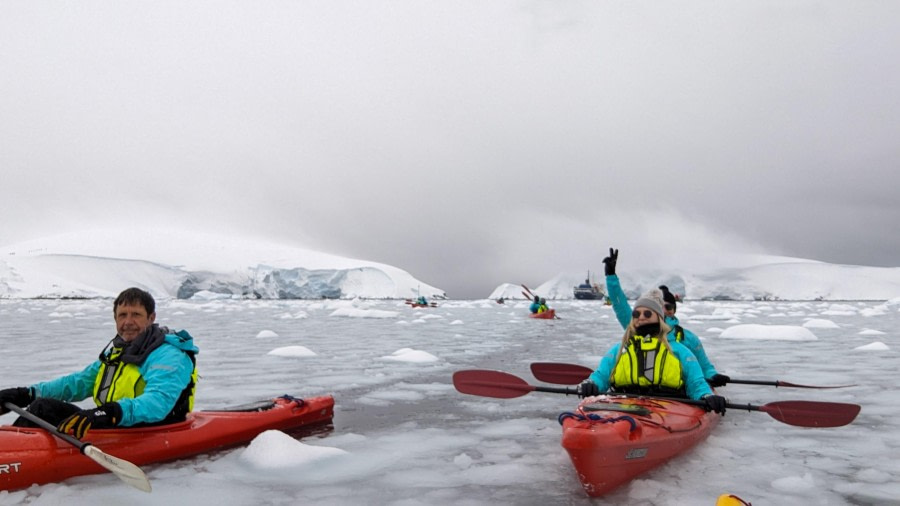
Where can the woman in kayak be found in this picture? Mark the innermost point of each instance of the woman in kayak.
(145, 375)
(677, 334)
(645, 362)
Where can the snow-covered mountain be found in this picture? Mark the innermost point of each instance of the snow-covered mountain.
(179, 264)
(751, 278)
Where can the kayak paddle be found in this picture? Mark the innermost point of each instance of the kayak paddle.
(778, 383)
(503, 385)
(499, 384)
(126, 471)
(559, 373)
(530, 295)
(572, 374)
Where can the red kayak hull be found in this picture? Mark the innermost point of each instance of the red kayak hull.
(546, 315)
(631, 436)
(34, 456)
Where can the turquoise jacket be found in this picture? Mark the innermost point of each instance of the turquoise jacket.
(166, 371)
(694, 384)
(689, 339)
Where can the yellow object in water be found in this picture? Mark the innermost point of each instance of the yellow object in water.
(731, 500)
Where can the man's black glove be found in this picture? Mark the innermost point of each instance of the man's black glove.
(715, 403)
(718, 380)
(104, 417)
(588, 388)
(610, 262)
(20, 396)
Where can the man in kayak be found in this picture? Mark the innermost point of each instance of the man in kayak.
(645, 362)
(145, 375)
(536, 305)
(678, 333)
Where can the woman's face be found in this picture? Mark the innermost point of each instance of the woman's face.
(642, 316)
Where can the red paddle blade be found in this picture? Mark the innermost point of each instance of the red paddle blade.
(560, 374)
(811, 413)
(496, 384)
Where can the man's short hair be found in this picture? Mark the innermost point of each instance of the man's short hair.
(135, 295)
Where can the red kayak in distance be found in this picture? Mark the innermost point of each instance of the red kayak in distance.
(612, 440)
(546, 315)
(34, 456)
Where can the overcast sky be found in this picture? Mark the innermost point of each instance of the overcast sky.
(470, 143)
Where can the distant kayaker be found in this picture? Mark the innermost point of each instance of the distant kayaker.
(678, 333)
(645, 362)
(543, 306)
(145, 375)
(536, 305)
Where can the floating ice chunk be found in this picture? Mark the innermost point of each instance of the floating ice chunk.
(266, 334)
(876, 346)
(364, 313)
(773, 332)
(292, 351)
(816, 323)
(274, 449)
(795, 484)
(411, 355)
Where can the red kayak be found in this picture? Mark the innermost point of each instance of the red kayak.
(546, 315)
(34, 456)
(612, 440)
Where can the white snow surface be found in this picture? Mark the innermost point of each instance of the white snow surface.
(757, 277)
(175, 263)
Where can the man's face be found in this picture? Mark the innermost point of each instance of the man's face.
(131, 320)
(670, 309)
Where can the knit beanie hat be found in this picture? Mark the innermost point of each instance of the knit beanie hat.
(652, 300)
(667, 296)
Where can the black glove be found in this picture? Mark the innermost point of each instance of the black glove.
(104, 417)
(718, 380)
(588, 388)
(610, 262)
(715, 403)
(20, 396)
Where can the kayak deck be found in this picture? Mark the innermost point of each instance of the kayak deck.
(34, 456)
(612, 440)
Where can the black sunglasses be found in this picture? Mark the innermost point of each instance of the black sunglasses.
(669, 307)
(637, 313)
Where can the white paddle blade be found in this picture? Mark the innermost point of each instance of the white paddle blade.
(126, 471)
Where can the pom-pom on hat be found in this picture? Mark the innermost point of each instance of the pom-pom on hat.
(652, 300)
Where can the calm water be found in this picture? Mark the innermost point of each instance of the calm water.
(412, 439)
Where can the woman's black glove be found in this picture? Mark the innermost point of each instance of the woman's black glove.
(105, 416)
(610, 262)
(715, 403)
(718, 380)
(20, 396)
(588, 388)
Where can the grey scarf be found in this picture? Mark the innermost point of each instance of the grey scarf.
(136, 351)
